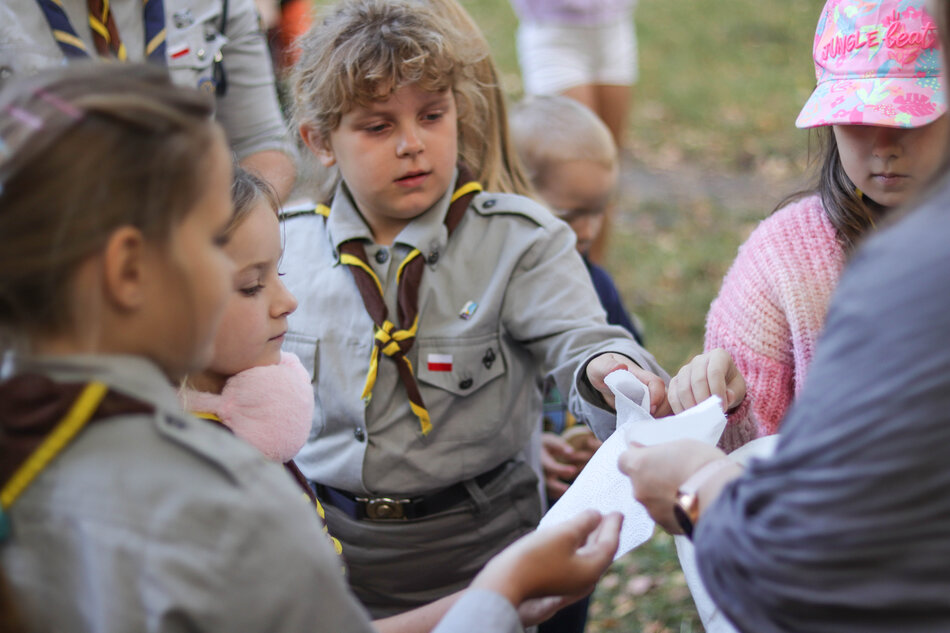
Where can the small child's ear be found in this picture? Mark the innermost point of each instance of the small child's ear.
(318, 145)
(123, 267)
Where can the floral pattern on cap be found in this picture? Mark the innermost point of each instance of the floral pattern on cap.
(877, 63)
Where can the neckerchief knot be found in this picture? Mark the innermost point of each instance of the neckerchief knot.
(388, 340)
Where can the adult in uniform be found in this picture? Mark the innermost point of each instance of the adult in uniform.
(214, 45)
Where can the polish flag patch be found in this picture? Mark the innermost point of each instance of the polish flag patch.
(439, 362)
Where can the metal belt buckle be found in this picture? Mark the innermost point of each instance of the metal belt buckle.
(384, 508)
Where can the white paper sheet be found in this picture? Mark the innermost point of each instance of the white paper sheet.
(601, 485)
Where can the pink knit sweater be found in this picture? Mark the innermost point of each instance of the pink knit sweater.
(771, 310)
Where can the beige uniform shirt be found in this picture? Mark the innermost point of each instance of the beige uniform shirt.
(536, 312)
(163, 522)
(248, 111)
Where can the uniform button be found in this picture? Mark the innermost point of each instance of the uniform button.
(359, 434)
(466, 384)
(381, 256)
(433, 257)
(201, 53)
(488, 204)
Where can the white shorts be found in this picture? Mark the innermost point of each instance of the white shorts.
(554, 58)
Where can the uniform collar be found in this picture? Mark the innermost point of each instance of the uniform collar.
(131, 375)
(425, 232)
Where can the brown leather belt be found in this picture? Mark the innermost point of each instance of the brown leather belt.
(402, 508)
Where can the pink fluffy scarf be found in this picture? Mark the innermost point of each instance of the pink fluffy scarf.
(270, 407)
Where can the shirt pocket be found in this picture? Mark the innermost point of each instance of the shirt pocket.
(462, 385)
(194, 42)
(307, 349)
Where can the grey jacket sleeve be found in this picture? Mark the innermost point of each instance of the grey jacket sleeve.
(551, 306)
(480, 610)
(249, 110)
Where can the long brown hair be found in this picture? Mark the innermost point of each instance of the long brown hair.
(851, 214)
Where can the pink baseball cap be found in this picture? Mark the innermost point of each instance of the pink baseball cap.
(877, 63)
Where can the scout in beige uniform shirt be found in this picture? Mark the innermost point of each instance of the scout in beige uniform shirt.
(492, 306)
(162, 522)
(248, 110)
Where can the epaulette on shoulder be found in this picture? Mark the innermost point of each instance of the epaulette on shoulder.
(512, 204)
(319, 210)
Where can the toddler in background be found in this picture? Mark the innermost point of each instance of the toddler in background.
(427, 308)
(573, 165)
(771, 308)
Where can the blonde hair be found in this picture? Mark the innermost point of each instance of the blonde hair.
(549, 130)
(88, 150)
(363, 50)
(485, 137)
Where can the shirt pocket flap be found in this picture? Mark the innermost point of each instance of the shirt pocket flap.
(194, 39)
(306, 348)
(460, 367)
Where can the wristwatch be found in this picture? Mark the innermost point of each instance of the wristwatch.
(686, 503)
(686, 511)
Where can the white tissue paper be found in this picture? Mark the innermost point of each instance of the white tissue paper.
(602, 487)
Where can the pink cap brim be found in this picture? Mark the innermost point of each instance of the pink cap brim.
(905, 102)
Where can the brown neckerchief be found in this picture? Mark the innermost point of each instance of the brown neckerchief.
(101, 18)
(31, 405)
(407, 293)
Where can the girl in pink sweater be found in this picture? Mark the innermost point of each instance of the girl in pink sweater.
(879, 108)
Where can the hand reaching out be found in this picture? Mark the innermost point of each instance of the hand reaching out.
(657, 472)
(707, 374)
(565, 560)
(562, 459)
(604, 364)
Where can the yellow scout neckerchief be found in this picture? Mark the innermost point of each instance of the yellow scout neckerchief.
(389, 340)
(392, 342)
(39, 418)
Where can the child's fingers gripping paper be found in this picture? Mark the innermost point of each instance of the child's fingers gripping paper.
(603, 487)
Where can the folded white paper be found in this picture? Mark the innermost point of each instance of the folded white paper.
(601, 486)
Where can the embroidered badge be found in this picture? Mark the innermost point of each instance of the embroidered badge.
(439, 362)
(468, 310)
(207, 85)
